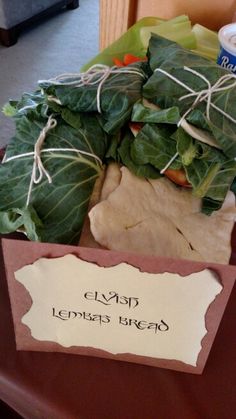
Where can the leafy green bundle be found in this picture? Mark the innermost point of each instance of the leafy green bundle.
(91, 139)
(73, 153)
(118, 94)
(210, 167)
(166, 92)
(56, 210)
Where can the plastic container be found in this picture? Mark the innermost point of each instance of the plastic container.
(227, 55)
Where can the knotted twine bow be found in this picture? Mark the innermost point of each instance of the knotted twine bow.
(95, 75)
(202, 95)
(38, 170)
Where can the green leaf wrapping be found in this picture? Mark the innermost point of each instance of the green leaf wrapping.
(215, 178)
(154, 145)
(207, 169)
(70, 117)
(56, 211)
(142, 113)
(142, 170)
(186, 146)
(62, 205)
(30, 104)
(25, 219)
(165, 92)
(118, 94)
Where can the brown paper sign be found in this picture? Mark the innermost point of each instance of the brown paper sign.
(116, 305)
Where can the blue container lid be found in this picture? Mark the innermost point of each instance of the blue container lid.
(227, 38)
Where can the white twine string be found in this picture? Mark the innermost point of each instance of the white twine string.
(169, 163)
(38, 166)
(38, 169)
(204, 94)
(48, 150)
(54, 99)
(95, 75)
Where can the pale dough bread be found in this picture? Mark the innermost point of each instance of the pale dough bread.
(155, 217)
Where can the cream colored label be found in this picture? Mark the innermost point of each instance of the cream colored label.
(118, 309)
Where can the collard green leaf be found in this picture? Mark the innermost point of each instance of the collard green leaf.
(142, 113)
(9, 109)
(118, 94)
(200, 174)
(25, 219)
(186, 146)
(70, 117)
(62, 205)
(10, 220)
(142, 170)
(210, 205)
(224, 130)
(154, 145)
(30, 104)
(112, 151)
(207, 169)
(163, 90)
(31, 223)
(197, 118)
(211, 179)
(222, 181)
